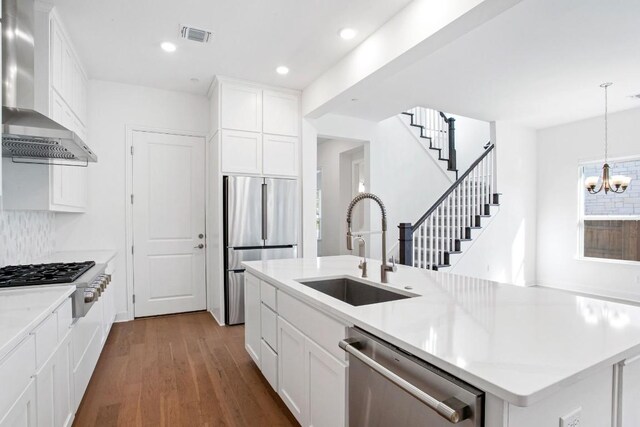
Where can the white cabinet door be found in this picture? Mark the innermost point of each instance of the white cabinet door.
(291, 369)
(631, 392)
(68, 188)
(57, 52)
(269, 362)
(252, 316)
(280, 155)
(23, 411)
(241, 152)
(241, 107)
(280, 113)
(326, 388)
(53, 386)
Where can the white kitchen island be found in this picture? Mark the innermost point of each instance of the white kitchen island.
(538, 354)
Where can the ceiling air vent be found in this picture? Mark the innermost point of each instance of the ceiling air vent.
(195, 34)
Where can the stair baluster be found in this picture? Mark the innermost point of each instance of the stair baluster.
(440, 232)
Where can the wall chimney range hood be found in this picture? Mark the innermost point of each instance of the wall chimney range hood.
(27, 135)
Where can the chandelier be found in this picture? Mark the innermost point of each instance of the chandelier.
(616, 183)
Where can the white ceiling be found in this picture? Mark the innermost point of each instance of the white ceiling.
(119, 40)
(539, 63)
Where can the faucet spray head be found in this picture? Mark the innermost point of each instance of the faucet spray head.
(349, 238)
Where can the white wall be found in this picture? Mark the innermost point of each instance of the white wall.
(560, 150)
(331, 155)
(471, 136)
(113, 106)
(506, 249)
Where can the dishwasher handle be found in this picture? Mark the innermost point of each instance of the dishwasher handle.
(452, 409)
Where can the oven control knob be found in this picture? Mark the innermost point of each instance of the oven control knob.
(89, 296)
(97, 289)
(108, 276)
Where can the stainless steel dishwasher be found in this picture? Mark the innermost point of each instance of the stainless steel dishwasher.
(389, 387)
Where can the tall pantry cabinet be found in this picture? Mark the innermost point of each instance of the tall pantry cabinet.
(254, 131)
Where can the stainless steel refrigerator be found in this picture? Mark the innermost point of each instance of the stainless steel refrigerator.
(260, 223)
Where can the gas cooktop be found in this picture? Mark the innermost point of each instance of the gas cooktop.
(42, 274)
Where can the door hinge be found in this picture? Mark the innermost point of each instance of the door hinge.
(134, 298)
(132, 150)
(131, 249)
(132, 199)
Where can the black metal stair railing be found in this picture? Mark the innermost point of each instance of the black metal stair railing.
(440, 132)
(429, 242)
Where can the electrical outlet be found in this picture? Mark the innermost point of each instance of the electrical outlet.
(572, 419)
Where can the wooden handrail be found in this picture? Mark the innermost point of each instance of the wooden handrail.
(452, 188)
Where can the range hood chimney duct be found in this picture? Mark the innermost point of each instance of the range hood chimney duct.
(27, 135)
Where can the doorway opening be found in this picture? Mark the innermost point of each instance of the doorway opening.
(343, 172)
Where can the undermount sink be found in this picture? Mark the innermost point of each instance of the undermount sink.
(352, 291)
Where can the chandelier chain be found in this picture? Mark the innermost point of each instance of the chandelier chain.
(606, 124)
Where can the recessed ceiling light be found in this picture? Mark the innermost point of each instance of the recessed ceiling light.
(194, 80)
(168, 47)
(282, 70)
(348, 33)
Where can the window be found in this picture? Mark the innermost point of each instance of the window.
(610, 223)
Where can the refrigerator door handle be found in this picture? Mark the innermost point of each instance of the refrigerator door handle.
(264, 211)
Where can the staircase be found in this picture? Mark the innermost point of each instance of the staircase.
(437, 132)
(440, 237)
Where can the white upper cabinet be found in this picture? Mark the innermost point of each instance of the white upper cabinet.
(259, 127)
(64, 99)
(67, 78)
(241, 107)
(280, 113)
(241, 152)
(280, 155)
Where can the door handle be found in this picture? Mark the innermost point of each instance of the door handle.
(451, 409)
(200, 246)
(264, 211)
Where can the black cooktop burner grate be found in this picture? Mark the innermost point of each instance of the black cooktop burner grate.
(42, 274)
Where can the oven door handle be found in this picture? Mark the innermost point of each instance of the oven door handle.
(452, 409)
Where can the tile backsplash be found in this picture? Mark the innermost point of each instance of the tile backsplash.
(25, 236)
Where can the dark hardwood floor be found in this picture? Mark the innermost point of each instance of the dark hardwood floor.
(179, 370)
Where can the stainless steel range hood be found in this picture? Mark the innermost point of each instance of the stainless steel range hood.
(28, 135)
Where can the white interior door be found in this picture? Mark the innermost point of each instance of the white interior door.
(168, 223)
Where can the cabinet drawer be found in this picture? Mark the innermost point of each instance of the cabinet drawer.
(65, 318)
(269, 365)
(269, 321)
(321, 328)
(16, 370)
(46, 334)
(268, 295)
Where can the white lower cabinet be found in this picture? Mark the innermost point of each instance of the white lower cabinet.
(252, 317)
(311, 382)
(631, 392)
(54, 388)
(291, 369)
(23, 412)
(295, 345)
(326, 387)
(269, 362)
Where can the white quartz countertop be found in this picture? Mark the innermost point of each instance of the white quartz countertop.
(521, 344)
(21, 310)
(99, 256)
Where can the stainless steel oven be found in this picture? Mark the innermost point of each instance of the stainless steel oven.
(389, 387)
